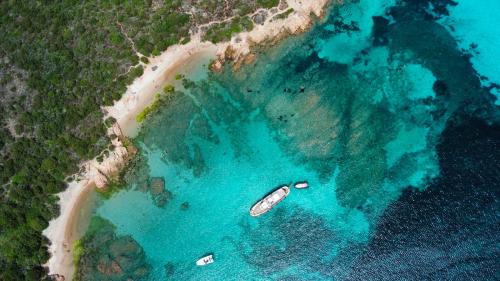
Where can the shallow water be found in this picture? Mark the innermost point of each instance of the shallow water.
(357, 106)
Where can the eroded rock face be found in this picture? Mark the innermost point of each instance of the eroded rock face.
(110, 257)
(217, 66)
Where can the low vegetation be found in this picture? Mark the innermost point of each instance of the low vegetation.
(268, 3)
(78, 251)
(220, 32)
(285, 14)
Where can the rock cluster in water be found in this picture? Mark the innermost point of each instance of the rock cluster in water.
(110, 257)
(159, 193)
(137, 175)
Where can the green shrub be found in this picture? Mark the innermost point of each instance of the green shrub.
(220, 32)
(78, 251)
(285, 14)
(169, 89)
(137, 71)
(268, 3)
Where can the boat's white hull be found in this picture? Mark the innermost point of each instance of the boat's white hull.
(301, 185)
(205, 260)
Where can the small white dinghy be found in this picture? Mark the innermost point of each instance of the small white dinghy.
(205, 260)
(301, 185)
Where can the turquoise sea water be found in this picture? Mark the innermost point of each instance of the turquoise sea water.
(356, 106)
(476, 29)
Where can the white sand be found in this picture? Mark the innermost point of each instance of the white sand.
(62, 230)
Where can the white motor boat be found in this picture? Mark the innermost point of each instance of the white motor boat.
(301, 185)
(205, 260)
(269, 201)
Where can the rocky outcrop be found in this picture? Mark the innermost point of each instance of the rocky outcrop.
(100, 172)
(269, 32)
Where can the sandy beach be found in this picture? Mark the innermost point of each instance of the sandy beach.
(67, 228)
(74, 201)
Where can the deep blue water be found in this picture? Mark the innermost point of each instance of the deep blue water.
(450, 230)
(380, 107)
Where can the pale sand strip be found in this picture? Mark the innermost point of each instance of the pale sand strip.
(62, 231)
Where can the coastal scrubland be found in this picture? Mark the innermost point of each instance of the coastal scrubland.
(60, 63)
(223, 31)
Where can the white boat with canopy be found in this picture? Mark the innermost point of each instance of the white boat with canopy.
(269, 201)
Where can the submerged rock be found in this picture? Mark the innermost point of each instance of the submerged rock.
(169, 269)
(110, 257)
(159, 193)
(184, 206)
(108, 267)
(157, 186)
(162, 199)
